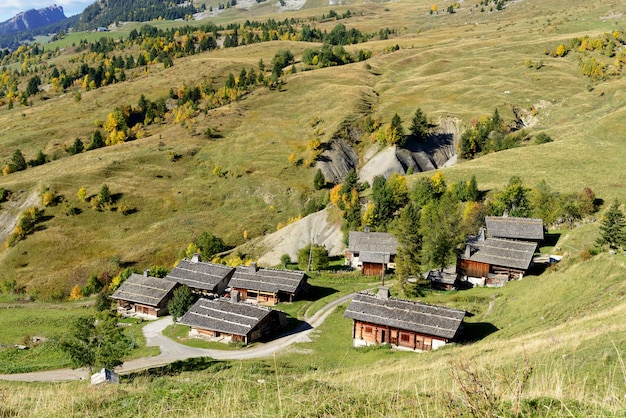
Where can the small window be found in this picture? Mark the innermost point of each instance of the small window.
(404, 338)
(368, 330)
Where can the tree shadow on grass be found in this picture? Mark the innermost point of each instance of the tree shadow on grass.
(293, 326)
(318, 292)
(476, 331)
(115, 197)
(177, 367)
(550, 239)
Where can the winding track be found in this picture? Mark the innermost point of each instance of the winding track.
(172, 351)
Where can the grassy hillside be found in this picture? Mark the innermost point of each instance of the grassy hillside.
(565, 324)
(463, 64)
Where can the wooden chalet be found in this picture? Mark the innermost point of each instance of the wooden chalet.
(522, 229)
(268, 285)
(373, 252)
(494, 260)
(231, 320)
(144, 296)
(380, 319)
(203, 278)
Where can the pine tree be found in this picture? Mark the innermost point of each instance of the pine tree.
(613, 228)
(407, 232)
(18, 163)
(419, 126)
(104, 197)
(441, 228)
(181, 302)
(319, 181)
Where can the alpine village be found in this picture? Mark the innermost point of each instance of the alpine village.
(313, 208)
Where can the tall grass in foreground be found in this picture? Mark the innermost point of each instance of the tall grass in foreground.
(275, 388)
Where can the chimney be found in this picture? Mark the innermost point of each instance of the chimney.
(383, 293)
(146, 273)
(196, 258)
(468, 251)
(234, 296)
(481, 234)
(253, 266)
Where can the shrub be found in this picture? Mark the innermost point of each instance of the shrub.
(542, 138)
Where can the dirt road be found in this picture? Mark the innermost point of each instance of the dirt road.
(172, 351)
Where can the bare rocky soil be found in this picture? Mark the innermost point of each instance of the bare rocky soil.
(10, 211)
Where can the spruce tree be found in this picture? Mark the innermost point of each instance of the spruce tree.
(419, 126)
(319, 181)
(407, 232)
(181, 302)
(613, 227)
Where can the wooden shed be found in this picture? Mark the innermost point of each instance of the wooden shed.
(523, 229)
(144, 296)
(268, 285)
(206, 279)
(483, 258)
(442, 279)
(405, 324)
(373, 252)
(231, 320)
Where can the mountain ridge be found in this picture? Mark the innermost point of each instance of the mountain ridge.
(33, 19)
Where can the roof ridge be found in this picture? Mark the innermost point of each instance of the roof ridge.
(415, 302)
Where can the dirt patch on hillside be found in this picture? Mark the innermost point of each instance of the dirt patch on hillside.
(10, 211)
(316, 228)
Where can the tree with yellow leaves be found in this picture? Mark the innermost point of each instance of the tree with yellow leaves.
(76, 293)
(82, 193)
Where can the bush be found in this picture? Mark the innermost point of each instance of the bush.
(542, 139)
(103, 302)
(315, 258)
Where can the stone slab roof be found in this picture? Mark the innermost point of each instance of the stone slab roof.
(199, 274)
(146, 290)
(372, 242)
(372, 257)
(501, 252)
(514, 228)
(222, 315)
(268, 280)
(437, 321)
(443, 277)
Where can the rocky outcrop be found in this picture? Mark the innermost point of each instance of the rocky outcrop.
(438, 151)
(337, 160)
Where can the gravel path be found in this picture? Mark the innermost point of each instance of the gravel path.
(172, 351)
